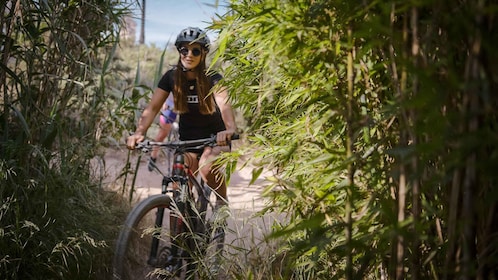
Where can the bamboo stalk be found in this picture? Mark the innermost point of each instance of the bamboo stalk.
(452, 224)
(470, 186)
(403, 188)
(416, 208)
(349, 154)
(400, 246)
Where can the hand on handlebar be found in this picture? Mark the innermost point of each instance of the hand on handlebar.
(223, 137)
(133, 140)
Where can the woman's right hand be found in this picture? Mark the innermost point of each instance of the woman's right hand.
(133, 140)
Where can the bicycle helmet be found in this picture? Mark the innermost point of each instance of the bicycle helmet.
(192, 34)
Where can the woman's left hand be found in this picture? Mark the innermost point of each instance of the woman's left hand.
(223, 137)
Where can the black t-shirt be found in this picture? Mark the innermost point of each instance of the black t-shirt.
(192, 124)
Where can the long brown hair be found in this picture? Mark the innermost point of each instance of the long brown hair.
(203, 84)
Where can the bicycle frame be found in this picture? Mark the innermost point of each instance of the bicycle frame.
(182, 193)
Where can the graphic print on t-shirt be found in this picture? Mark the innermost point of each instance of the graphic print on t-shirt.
(192, 99)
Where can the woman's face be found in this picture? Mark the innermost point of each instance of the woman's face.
(190, 55)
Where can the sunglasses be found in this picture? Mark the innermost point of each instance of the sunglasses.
(195, 51)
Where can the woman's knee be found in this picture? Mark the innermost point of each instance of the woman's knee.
(205, 170)
(207, 160)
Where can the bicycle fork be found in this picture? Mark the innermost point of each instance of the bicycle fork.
(158, 224)
(177, 221)
(180, 197)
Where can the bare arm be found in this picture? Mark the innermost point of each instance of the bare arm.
(147, 117)
(223, 102)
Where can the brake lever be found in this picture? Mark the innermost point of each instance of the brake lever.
(143, 146)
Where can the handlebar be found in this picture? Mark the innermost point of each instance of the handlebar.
(146, 145)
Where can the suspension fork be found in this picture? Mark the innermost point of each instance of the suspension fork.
(157, 225)
(180, 196)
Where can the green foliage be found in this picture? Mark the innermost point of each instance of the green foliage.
(56, 222)
(54, 225)
(376, 120)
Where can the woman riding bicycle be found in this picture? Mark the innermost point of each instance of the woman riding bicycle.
(203, 109)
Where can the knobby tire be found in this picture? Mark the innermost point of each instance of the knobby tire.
(134, 241)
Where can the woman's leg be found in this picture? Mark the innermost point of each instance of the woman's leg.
(191, 160)
(212, 174)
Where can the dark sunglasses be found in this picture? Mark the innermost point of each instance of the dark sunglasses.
(195, 51)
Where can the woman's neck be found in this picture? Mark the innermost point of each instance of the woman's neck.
(190, 75)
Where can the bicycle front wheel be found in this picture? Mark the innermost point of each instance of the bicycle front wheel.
(144, 243)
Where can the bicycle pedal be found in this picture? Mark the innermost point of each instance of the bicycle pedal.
(173, 268)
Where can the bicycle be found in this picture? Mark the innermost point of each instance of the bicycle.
(166, 236)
